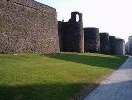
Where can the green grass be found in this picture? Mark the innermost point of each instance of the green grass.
(52, 77)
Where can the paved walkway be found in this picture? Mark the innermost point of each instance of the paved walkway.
(117, 87)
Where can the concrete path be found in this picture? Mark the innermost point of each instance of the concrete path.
(117, 87)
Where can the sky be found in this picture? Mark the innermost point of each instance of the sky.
(111, 16)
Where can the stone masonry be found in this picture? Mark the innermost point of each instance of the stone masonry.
(27, 26)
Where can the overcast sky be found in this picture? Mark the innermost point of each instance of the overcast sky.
(112, 16)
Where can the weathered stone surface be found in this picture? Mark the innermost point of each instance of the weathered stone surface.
(71, 34)
(91, 40)
(27, 26)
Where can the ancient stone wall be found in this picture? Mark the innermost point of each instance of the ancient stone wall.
(91, 40)
(112, 41)
(27, 26)
(71, 34)
(104, 43)
(120, 47)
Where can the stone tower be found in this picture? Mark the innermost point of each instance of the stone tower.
(71, 34)
(120, 47)
(91, 40)
(104, 43)
(112, 41)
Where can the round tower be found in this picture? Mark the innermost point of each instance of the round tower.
(104, 43)
(112, 41)
(120, 47)
(91, 39)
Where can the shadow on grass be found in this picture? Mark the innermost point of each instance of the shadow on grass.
(65, 92)
(98, 61)
(42, 91)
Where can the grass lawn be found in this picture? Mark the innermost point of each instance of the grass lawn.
(52, 77)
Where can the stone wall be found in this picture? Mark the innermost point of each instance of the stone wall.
(27, 26)
(91, 40)
(71, 34)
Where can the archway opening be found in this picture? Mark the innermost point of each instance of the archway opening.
(77, 18)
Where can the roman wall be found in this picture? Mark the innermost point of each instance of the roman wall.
(27, 26)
